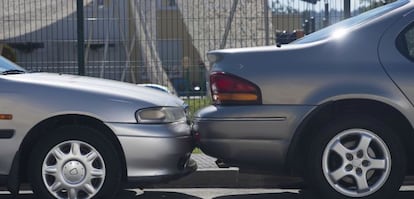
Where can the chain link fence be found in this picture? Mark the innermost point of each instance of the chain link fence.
(155, 41)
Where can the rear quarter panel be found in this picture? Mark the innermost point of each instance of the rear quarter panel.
(312, 74)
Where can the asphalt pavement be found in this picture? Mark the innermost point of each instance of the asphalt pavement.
(406, 192)
(209, 175)
(211, 182)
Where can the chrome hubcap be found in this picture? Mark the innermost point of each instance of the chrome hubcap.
(356, 163)
(73, 170)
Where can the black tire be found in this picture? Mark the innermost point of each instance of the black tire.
(383, 180)
(106, 185)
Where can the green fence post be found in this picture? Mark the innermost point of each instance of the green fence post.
(81, 37)
(347, 8)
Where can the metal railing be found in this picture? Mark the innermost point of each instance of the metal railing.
(154, 41)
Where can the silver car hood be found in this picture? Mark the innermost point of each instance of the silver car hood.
(114, 89)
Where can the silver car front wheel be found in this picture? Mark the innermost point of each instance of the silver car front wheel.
(75, 162)
(73, 169)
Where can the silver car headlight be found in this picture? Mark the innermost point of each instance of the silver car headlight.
(160, 115)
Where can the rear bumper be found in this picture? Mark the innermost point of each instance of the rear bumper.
(250, 137)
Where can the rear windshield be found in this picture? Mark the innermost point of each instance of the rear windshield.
(351, 22)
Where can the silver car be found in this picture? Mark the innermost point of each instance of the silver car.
(335, 107)
(79, 137)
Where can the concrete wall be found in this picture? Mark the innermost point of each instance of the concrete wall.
(56, 42)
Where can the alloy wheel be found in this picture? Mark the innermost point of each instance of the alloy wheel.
(356, 163)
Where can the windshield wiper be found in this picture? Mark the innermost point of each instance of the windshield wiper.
(13, 72)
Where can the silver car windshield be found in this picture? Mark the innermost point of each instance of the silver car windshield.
(8, 67)
(349, 23)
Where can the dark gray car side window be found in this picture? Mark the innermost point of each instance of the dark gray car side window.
(405, 42)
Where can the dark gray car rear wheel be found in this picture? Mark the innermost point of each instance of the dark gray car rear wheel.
(74, 163)
(355, 157)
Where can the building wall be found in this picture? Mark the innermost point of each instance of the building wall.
(53, 48)
(286, 22)
(208, 20)
(173, 33)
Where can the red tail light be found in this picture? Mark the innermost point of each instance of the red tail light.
(228, 89)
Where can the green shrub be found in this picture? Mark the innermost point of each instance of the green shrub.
(9, 53)
(197, 103)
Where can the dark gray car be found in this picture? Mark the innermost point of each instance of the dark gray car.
(335, 107)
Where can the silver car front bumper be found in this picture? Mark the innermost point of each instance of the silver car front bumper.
(155, 153)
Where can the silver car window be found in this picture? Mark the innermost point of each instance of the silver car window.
(351, 22)
(405, 42)
(409, 37)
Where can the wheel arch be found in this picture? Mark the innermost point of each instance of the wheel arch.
(44, 128)
(328, 111)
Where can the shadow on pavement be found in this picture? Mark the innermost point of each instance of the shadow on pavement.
(154, 195)
(264, 196)
(125, 195)
(303, 194)
(300, 195)
(22, 196)
(176, 195)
